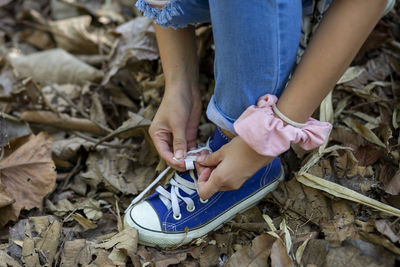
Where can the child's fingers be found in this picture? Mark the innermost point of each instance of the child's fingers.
(179, 143)
(210, 160)
(204, 175)
(207, 187)
(165, 151)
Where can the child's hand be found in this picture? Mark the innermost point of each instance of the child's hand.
(229, 167)
(174, 127)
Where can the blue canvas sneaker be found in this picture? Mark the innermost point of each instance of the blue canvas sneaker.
(176, 215)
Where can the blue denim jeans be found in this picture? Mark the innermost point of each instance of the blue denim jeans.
(256, 43)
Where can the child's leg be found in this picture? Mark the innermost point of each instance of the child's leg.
(256, 42)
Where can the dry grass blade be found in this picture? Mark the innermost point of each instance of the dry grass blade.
(343, 192)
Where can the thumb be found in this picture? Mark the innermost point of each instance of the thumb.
(210, 160)
(207, 187)
(179, 143)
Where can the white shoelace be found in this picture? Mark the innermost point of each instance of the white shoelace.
(171, 199)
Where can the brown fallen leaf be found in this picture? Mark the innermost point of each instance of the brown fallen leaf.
(5, 199)
(136, 43)
(59, 67)
(72, 34)
(6, 260)
(348, 166)
(383, 227)
(84, 222)
(363, 131)
(336, 231)
(279, 255)
(41, 250)
(311, 204)
(255, 255)
(393, 187)
(28, 174)
(124, 242)
(75, 253)
(367, 155)
(315, 252)
(348, 256)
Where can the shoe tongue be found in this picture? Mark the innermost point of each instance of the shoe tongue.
(218, 139)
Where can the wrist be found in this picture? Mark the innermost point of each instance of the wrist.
(258, 159)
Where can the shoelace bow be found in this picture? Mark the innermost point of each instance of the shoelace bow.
(171, 199)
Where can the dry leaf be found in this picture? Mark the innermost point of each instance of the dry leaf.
(367, 155)
(137, 42)
(72, 35)
(76, 252)
(336, 231)
(41, 250)
(279, 256)
(350, 74)
(117, 173)
(343, 192)
(59, 67)
(84, 222)
(303, 200)
(315, 252)
(348, 256)
(363, 131)
(125, 242)
(383, 227)
(347, 165)
(393, 187)
(28, 175)
(255, 255)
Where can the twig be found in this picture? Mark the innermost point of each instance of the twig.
(117, 132)
(46, 102)
(1, 153)
(9, 117)
(69, 101)
(74, 171)
(81, 111)
(63, 121)
(94, 140)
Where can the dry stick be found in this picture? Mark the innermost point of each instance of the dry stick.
(9, 117)
(94, 140)
(115, 133)
(83, 113)
(69, 101)
(46, 102)
(64, 121)
(2, 153)
(74, 171)
(100, 34)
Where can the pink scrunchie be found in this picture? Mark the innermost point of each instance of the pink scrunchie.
(267, 135)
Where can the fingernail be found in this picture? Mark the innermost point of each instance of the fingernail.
(179, 154)
(201, 158)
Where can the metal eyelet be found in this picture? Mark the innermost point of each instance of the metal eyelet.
(178, 217)
(203, 201)
(190, 210)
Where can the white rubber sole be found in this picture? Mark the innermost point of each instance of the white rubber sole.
(165, 240)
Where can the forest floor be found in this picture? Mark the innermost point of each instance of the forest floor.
(81, 80)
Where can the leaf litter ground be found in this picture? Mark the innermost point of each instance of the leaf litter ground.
(80, 82)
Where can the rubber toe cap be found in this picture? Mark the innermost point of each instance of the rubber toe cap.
(143, 215)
